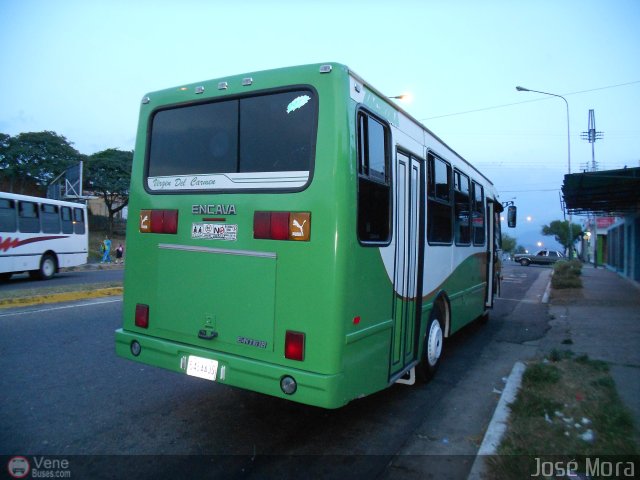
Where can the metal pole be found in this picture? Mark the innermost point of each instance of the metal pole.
(522, 89)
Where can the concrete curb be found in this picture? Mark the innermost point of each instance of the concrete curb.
(71, 296)
(547, 292)
(498, 424)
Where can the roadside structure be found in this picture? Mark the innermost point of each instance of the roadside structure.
(611, 193)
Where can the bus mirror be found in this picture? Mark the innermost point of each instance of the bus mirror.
(511, 216)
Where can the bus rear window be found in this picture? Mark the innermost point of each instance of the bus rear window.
(265, 141)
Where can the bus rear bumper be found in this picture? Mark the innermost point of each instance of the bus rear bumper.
(312, 388)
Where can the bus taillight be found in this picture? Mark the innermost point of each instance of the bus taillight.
(159, 221)
(142, 315)
(282, 226)
(294, 346)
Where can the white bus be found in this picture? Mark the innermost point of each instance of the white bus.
(40, 236)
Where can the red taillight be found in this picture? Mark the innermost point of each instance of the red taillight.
(159, 221)
(170, 224)
(262, 225)
(142, 315)
(282, 226)
(294, 346)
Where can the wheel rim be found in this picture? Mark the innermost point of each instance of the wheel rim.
(48, 267)
(434, 343)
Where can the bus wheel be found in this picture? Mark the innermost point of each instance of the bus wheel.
(47, 268)
(4, 277)
(432, 349)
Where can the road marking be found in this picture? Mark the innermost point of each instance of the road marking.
(523, 300)
(64, 307)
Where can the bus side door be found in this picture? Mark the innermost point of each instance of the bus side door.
(409, 248)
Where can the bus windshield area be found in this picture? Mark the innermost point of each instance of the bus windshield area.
(202, 146)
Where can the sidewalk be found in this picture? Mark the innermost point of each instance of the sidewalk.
(601, 320)
(95, 265)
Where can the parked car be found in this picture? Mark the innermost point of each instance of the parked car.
(543, 257)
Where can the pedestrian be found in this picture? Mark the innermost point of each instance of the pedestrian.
(106, 256)
(119, 253)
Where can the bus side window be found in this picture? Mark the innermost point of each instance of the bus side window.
(78, 221)
(50, 218)
(28, 221)
(374, 195)
(67, 221)
(477, 201)
(439, 206)
(462, 208)
(8, 221)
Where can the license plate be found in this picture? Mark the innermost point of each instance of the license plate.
(202, 367)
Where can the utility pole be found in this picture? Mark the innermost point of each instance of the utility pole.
(591, 135)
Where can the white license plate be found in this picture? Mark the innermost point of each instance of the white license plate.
(202, 367)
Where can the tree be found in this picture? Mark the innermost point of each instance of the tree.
(34, 156)
(508, 244)
(109, 174)
(560, 230)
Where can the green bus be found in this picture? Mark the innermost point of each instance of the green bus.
(302, 236)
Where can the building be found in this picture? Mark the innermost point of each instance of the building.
(610, 193)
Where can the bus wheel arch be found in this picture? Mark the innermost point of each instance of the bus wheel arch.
(433, 340)
(48, 266)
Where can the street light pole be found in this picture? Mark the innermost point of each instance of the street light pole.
(522, 89)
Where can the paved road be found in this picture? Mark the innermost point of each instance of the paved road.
(22, 281)
(65, 393)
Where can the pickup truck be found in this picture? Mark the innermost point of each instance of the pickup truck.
(543, 257)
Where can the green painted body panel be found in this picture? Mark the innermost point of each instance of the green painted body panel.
(313, 287)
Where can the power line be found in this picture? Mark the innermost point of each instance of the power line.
(527, 101)
(524, 191)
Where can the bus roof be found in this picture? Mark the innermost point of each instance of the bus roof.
(397, 107)
(226, 83)
(29, 198)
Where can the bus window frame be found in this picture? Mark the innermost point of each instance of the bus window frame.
(66, 225)
(45, 218)
(11, 206)
(223, 98)
(429, 198)
(458, 243)
(361, 175)
(20, 216)
(482, 210)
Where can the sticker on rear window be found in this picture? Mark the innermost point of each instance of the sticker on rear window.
(214, 231)
(298, 103)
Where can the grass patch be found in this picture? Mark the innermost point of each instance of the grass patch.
(557, 355)
(567, 408)
(566, 274)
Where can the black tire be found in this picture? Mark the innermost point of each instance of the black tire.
(48, 268)
(525, 262)
(433, 346)
(4, 277)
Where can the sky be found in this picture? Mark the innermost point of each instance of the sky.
(80, 68)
